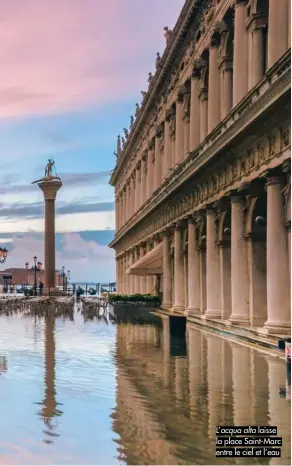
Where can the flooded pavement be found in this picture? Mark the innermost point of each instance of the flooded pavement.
(104, 392)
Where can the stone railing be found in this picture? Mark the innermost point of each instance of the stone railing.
(275, 82)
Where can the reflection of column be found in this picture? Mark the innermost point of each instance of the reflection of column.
(194, 337)
(214, 376)
(278, 296)
(240, 60)
(50, 404)
(239, 270)
(167, 301)
(213, 268)
(179, 294)
(194, 113)
(277, 30)
(165, 349)
(193, 270)
(259, 389)
(180, 365)
(226, 390)
(50, 189)
(241, 385)
(279, 408)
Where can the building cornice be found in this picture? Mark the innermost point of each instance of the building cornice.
(274, 84)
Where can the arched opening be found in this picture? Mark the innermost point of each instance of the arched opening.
(256, 234)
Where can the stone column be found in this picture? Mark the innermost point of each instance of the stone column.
(213, 269)
(116, 211)
(256, 27)
(226, 69)
(125, 204)
(240, 56)
(142, 182)
(179, 130)
(143, 286)
(167, 294)
(137, 191)
(132, 197)
(186, 119)
(179, 290)
(149, 278)
(239, 265)
(203, 114)
(278, 283)
(122, 276)
(193, 270)
(214, 85)
(149, 171)
(277, 30)
(129, 198)
(50, 189)
(194, 112)
(136, 277)
(158, 159)
(225, 280)
(167, 149)
(132, 277)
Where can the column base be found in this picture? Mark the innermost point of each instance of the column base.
(283, 328)
(167, 306)
(178, 308)
(193, 311)
(212, 314)
(238, 320)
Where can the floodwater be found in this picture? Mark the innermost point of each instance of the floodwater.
(121, 392)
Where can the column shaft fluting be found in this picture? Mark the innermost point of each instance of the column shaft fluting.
(167, 301)
(179, 289)
(158, 163)
(278, 284)
(194, 115)
(203, 115)
(179, 132)
(213, 269)
(214, 89)
(149, 278)
(149, 174)
(240, 59)
(239, 264)
(193, 270)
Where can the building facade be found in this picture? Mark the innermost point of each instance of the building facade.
(202, 178)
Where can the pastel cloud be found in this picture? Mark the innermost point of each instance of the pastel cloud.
(70, 54)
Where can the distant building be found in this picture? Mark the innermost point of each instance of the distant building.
(19, 276)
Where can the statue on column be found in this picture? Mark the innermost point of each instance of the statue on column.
(137, 110)
(150, 77)
(126, 132)
(167, 34)
(49, 168)
(132, 121)
(123, 142)
(143, 94)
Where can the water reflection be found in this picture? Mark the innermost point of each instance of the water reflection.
(132, 393)
(49, 410)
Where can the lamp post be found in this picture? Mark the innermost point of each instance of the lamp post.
(3, 255)
(36, 267)
(63, 275)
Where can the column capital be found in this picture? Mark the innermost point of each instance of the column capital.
(273, 176)
(240, 3)
(256, 21)
(286, 166)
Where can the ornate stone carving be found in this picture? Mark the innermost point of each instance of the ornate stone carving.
(272, 145)
(284, 137)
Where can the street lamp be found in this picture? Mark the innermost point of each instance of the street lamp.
(3, 255)
(36, 267)
(63, 275)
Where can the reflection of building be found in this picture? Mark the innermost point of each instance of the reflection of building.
(168, 407)
(49, 410)
(202, 182)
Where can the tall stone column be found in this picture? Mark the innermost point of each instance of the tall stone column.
(132, 277)
(125, 204)
(136, 277)
(226, 68)
(149, 278)
(239, 265)
(116, 211)
(179, 130)
(50, 189)
(213, 269)
(132, 198)
(158, 159)
(277, 30)
(137, 191)
(194, 112)
(240, 57)
(145, 176)
(214, 85)
(143, 286)
(256, 27)
(193, 270)
(167, 149)
(278, 283)
(186, 120)
(179, 289)
(150, 171)
(167, 294)
(129, 198)
(203, 114)
(142, 178)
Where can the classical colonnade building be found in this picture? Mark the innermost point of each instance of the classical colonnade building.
(202, 179)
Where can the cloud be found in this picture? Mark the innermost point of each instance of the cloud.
(36, 209)
(70, 54)
(87, 260)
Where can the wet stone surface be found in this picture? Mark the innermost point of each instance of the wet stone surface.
(121, 391)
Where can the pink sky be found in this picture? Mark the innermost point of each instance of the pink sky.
(60, 55)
